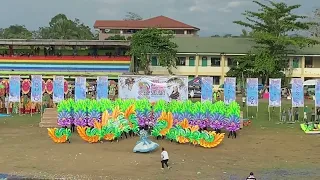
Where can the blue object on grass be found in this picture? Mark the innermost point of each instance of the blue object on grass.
(5, 115)
(8, 176)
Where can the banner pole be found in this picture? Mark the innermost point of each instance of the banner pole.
(269, 113)
(257, 108)
(315, 101)
(247, 111)
(280, 114)
(293, 115)
(7, 103)
(31, 107)
(41, 109)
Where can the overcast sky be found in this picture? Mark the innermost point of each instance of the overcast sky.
(211, 16)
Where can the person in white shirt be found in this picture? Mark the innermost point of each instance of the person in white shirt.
(251, 177)
(164, 158)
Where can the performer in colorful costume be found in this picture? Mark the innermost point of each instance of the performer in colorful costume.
(144, 144)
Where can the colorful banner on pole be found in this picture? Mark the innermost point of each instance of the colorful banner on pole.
(80, 88)
(206, 89)
(229, 90)
(317, 93)
(252, 92)
(154, 88)
(36, 88)
(274, 92)
(58, 89)
(14, 88)
(102, 87)
(297, 92)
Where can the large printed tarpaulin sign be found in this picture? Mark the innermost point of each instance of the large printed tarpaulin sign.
(80, 88)
(154, 88)
(229, 90)
(58, 89)
(252, 92)
(206, 89)
(36, 88)
(317, 93)
(274, 92)
(102, 87)
(297, 92)
(14, 88)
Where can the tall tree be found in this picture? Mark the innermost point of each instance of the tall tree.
(154, 42)
(60, 27)
(15, 32)
(132, 16)
(271, 25)
(244, 33)
(315, 27)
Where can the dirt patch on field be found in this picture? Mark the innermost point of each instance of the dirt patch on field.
(284, 152)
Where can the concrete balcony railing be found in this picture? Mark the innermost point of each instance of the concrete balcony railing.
(104, 36)
(307, 72)
(181, 70)
(311, 72)
(294, 72)
(211, 70)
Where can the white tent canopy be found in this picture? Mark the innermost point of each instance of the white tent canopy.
(310, 82)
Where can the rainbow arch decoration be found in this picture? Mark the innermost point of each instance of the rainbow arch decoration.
(64, 65)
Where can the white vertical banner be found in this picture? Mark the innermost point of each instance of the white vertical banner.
(80, 88)
(14, 88)
(58, 89)
(36, 88)
(229, 90)
(102, 87)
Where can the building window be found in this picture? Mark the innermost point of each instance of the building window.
(215, 61)
(179, 31)
(308, 62)
(154, 61)
(111, 31)
(191, 77)
(216, 80)
(181, 61)
(191, 60)
(296, 62)
(231, 62)
(204, 61)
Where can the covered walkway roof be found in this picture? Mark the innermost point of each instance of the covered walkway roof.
(58, 42)
(228, 46)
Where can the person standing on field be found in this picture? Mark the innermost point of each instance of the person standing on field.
(164, 159)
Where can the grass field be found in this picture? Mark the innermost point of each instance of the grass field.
(272, 151)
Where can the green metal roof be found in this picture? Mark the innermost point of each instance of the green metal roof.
(226, 45)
